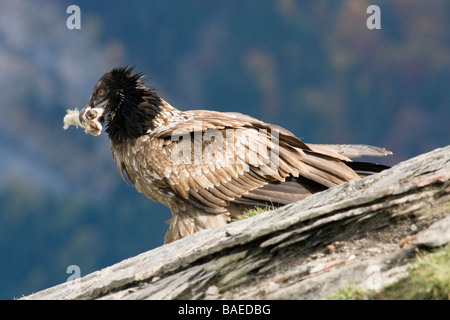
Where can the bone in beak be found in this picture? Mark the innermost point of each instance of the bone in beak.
(87, 118)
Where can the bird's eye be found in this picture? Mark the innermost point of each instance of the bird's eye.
(101, 92)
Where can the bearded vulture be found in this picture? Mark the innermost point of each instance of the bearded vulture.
(209, 167)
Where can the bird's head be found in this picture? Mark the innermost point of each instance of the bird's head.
(121, 99)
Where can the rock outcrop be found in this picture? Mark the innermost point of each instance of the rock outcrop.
(361, 233)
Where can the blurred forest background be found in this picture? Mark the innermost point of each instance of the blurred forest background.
(310, 66)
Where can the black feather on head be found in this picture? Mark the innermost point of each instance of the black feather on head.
(131, 105)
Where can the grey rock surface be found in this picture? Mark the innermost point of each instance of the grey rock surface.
(361, 232)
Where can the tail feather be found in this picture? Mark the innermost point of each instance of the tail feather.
(352, 150)
(364, 169)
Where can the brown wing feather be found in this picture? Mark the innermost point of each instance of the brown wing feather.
(246, 162)
(242, 169)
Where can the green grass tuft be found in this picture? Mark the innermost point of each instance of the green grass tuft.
(255, 211)
(428, 279)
